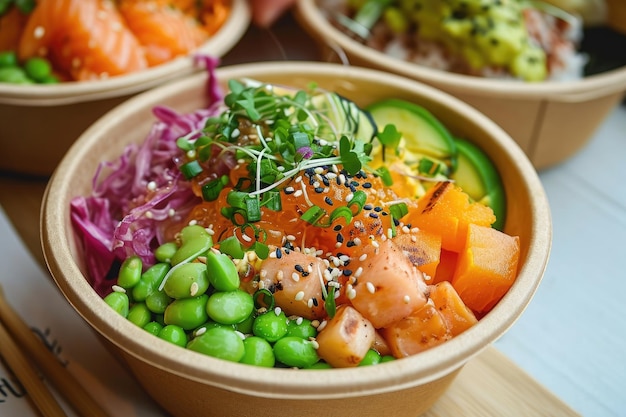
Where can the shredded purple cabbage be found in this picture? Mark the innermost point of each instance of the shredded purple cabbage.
(136, 197)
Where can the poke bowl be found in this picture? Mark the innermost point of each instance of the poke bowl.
(191, 378)
(45, 118)
(551, 118)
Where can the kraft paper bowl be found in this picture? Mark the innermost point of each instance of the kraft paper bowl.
(186, 383)
(551, 121)
(40, 122)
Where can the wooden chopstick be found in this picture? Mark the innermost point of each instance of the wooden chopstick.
(38, 392)
(75, 394)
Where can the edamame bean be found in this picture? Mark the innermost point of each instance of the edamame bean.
(245, 326)
(195, 241)
(371, 358)
(130, 272)
(149, 281)
(37, 68)
(187, 280)
(270, 326)
(320, 365)
(14, 75)
(139, 314)
(222, 271)
(165, 252)
(187, 313)
(296, 352)
(153, 327)
(158, 301)
(174, 334)
(387, 358)
(8, 58)
(219, 342)
(230, 307)
(258, 351)
(301, 328)
(119, 302)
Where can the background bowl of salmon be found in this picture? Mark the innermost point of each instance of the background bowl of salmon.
(550, 121)
(186, 383)
(40, 122)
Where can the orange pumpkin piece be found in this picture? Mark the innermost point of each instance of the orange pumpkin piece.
(423, 250)
(455, 313)
(446, 210)
(446, 267)
(487, 267)
(416, 333)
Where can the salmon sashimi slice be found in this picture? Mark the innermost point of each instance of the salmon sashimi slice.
(88, 39)
(165, 32)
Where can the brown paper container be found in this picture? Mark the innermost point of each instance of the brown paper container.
(551, 121)
(38, 123)
(186, 383)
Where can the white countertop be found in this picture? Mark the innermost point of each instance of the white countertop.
(572, 337)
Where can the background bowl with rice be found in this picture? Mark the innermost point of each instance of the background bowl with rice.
(550, 120)
(40, 122)
(186, 383)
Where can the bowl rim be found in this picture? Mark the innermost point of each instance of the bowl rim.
(81, 91)
(595, 86)
(285, 383)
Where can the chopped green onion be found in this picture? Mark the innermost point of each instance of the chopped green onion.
(398, 210)
(272, 201)
(253, 208)
(313, 215)
(329, 303)
(191, 169)
(231, 246)
(339, 212)
(263, 298)
(261, 250)
(358, 200)
(211, 190)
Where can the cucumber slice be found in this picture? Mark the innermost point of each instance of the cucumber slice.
(479, 178)
(345, 116)
(425, 137)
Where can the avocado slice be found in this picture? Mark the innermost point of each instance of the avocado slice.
(345, 115)
(479, 178)
(426, 140)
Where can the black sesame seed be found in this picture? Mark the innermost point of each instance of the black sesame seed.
(337, 228)
(367, 185)
(350, 243)
(315, 302)
(347, 272)
(339, 238)
(279, 253)
(319, 190)
(374, 215)
(396, 222)
(289, 190)
(328, 201)
(367, 207)
(378, 209)
(299, 268)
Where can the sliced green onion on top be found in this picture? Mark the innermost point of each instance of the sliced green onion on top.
(191, 169)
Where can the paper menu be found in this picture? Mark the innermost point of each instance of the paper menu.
(31, 292)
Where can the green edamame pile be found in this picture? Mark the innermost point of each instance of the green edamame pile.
(193, 297)
(32, 71)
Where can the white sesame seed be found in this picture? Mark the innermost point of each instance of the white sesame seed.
(246, 238)
(295, 276)
(298, 193)
(277, 311)
(318, 170)
(358, 272)
(413, 238)
(39, 32)
(370, 287)
(309, 303)
(375, 244)
(405, 229)
(357, 241)
(191, 154)
(193, 222)
(117, 288)
(299, 297)
(315, 323)
(315, 344)
(349, 197)
(415, 230)
(407, 299)
(298, 179)
(241, 335)
(363, 257)
(200, 331)
(279, 275)
(235, 133)
(351, 293)
(321, 326)
(290, 238)
(171, 212)
(299, 320)
(149, 214)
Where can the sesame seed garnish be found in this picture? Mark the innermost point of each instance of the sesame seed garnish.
(405, 229)
(358, 272)
(200, 331)
(279, 253)
(241, 335)
(309, 303)
(295, 276)
(375, 244)
(370, 287)
(298, 193)
(298, 179)
(366, 185)
(279, 275)
(315, 344)
(117, 288)
(299, 320)
(321, 325)
(373, 215)
(290, 238)
(277, 311)
(357, 241)
(39, 32)
(289, 190)
(246, 238)
(149, 214)
(152, 186)
(363, 257)
(407, 299)
(351, 293)
(328, 201)
(193, 222)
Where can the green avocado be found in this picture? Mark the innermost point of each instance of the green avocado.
(479, 178)
(426, 140)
